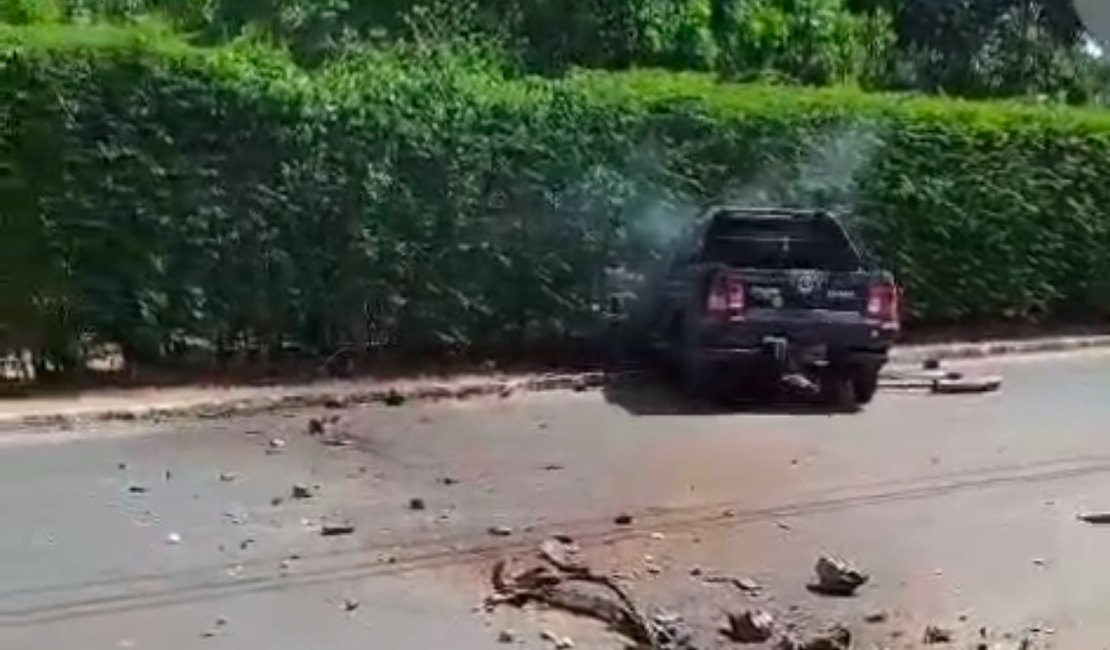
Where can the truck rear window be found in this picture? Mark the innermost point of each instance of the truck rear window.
(779, 243)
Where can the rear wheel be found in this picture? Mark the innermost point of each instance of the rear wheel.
(866, 383)
(838, 390)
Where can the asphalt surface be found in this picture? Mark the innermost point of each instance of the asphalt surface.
(963, 509)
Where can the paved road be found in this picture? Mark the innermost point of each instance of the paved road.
(963, 508)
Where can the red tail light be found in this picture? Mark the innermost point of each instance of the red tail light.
(726, 297)
(883, 305)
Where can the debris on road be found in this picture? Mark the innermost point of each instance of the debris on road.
(394, 398)
(876, 617)
(351, 604)
(581, 592)
(277, 501)
(746, 585)
(935, 635)
(448, 480)
(658, 537)
(300, 491)
(1095, 517)
(417, 504)
(121, 466)
(752, 626)
(500, 531)
(623, 520)
(228, 477)
(966, 386)
(837, 637)
(336, 528)
(276, 445)
(563, 555)
(137, 489)
(506, 636)
(554, 467)
(836, 577)
(173, 539)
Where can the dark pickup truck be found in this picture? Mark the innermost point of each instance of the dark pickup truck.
(758, 299)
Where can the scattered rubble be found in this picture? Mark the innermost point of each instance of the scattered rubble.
(936, 635)
(752, 626)
(300, 491)
(837, 637)
(336, 528)
(836, 577)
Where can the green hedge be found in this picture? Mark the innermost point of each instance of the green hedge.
(160, 197)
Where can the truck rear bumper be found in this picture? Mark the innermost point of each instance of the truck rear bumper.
(766, 356)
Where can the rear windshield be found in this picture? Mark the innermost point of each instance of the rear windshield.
(779, 243)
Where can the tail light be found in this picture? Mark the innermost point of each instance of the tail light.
(883, 305)
(726, 297)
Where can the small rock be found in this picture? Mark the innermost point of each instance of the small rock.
(228, 477)
(333, 403)
(554, 467)
(565, 643)
(696, 571)
(935, 635)
(417, 504)
(277, 501)
(300, 491)
(562, 555)
(836, 638)
(623, 520)
(930, 364)
(837, 577)
(168, 475)
(137, 489)
(548, 635)
(658, 537)
(500, 531)
(336, 528)
(393, 398)
(277, 444)
(447, 480)
(173, 539)
(284, 565)
(121, 466)
(788, 642)
(221, 621)
(246, 543)
(876, 617)
(752, 626)
(316, 427)
(747, 585)
(351, 604)
(1038, 562)
(506, 636)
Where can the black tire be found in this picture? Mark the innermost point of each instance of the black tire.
(838, 391)
(866, 382)
(699, 379)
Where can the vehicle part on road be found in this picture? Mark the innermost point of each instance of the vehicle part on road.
(836, 577)
(1095, 517)
(967, 386)
(547, 584)
(752, 626)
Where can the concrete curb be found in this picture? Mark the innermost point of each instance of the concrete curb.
(364, 392)
(955, 351)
